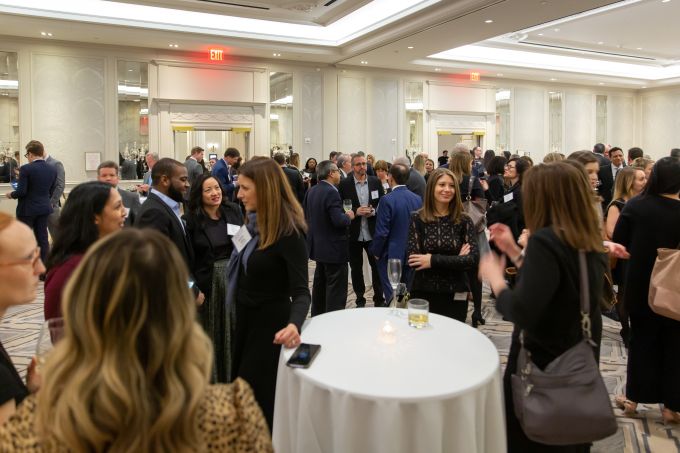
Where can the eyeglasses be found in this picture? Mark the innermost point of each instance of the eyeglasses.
(26, 155)
(32, 259)
(511, 167)
(360, 164)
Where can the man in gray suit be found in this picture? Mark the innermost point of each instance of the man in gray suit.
(107, 172)
(53, 219)
(194, 169)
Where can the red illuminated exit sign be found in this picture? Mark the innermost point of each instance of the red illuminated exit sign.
(474, 76)
(216, 54)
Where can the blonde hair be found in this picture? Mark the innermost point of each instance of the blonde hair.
(419, 164)
(427, 213)
(461, 164)
(553, 157)
(558, 195)
(623, 186)
(278, 211)
(370, 158)
(641, 162)
(133, 365)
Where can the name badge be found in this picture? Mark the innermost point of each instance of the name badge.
(386, 186)
(375, 195)
(460, 296)
(232, 229)
(241, 238)
(508, 197)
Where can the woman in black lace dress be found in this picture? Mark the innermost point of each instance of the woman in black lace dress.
(442, 247)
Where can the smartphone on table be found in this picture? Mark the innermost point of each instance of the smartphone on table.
(303, 355)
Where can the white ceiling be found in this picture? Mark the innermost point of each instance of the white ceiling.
(640, 32)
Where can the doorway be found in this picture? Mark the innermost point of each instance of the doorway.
(447, 140)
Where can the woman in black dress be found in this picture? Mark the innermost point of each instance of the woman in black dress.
(509, 210)
(494, 186)
(268, 277)
(210, 224)
(545, 301)
(309, 173)
(647, 223)
(442, 247)
(20, 267)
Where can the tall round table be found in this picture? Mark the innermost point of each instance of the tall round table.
(436, 389)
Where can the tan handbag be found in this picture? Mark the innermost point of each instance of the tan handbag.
(476, 209)
(664, 285)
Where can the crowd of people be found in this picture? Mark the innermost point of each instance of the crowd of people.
(175, 310)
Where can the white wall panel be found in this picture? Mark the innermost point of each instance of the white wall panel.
(620, 121)
(202, 84)
(383, 119)
(529, 121)
(351, 114)
(579, 116)
(68, 108)
(311, 105)
(660, 123)
(449, 98)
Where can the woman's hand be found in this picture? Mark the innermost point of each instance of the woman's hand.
(523, 239)
(502, 237)
(33, 378)
(492, 269)
(484, 184)
(616, 250)
(289, 336)
(464, 250)
(420, 262)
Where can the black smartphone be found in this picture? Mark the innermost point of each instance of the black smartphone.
(303, 355)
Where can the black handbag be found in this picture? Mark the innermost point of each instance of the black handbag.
(567, 402)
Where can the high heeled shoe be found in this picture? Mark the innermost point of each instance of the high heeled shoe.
(670, 416)
(477, 320)
(628, 407)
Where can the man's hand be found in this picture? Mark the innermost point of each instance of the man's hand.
(350, 214)
(200, 298)
(364, 211)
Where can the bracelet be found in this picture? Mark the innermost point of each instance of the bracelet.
(519, 257)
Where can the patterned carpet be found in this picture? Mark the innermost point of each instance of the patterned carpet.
(644, 433)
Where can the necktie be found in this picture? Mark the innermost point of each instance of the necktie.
(616, 172)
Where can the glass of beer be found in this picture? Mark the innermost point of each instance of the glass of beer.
(418, 313)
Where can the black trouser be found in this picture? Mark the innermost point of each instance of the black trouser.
(38, 223)
(329, 291)
(356, 263)
(476, 290)
(443, 304)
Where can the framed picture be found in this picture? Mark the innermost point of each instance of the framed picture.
(92, 161)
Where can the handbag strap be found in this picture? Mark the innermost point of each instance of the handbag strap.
(469, 194)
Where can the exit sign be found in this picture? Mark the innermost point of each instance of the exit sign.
(216, 54)
(474, 76)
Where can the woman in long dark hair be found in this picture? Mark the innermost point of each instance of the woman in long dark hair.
(545, 303)
(309, 173)
(210, 223)
(442, 247)
(494, 186)
(509, 211)
(649, 222)
(93, 210)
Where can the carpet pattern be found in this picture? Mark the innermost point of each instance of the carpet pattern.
(645, 432)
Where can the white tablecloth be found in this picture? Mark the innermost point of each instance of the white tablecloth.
(431, 390)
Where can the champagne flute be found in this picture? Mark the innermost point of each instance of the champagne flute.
(394, 276)
(51, 331)
(347, 205)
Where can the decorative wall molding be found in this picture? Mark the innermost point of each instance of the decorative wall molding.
(202, 114)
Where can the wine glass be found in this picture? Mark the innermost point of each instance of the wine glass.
(394, 276)
(51, 331)
(347, 205)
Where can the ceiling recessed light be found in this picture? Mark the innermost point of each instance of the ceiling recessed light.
(130, 70)
(540, 34)
(437, 69)
(175, 46)
(557, 29)
(601, 83)
(488, 21)
(364, 62)
(276, 54)
(600, 42)
(499, 75)
(43, 33)
(665, 1)
(643, 87)
(552, 79)
(639, 48)
(410, 47)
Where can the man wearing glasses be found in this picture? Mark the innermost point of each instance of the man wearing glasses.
(37, 182)
(365, 192)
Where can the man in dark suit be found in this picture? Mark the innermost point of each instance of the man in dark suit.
(598, 150)
(162, 209)
(53, 219)
(294, 177)
(416, 182)
(327, 240)
(392, 224)
(444, 158)
(607, 176)
(365, 192)
(107, 172)
(37, 182)
(634, 153)
(221, 172)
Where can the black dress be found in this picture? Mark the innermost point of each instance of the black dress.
(545, 303)
(645, 224)
(273, 293)
(212, 247)
(448, 273)
(11, 385)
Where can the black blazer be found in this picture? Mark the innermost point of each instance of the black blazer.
(606, 187)
(37, 182)
(157, 215)
(203, 250)
(327, 223)
(295, 180)
(348, 190)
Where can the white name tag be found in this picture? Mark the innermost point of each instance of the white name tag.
(241, 238)
(386, 186)
(232, 229)
(507, 197)
(375, 195)
(460, 296)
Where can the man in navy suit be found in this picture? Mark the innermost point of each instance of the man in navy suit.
(327, 237)
(37, 182)
(392, 223)
(222, 171)
(365, 192)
